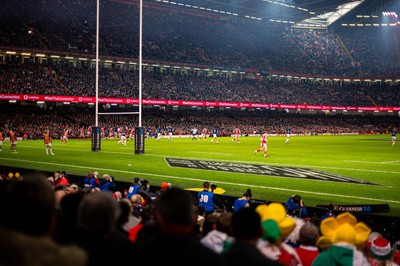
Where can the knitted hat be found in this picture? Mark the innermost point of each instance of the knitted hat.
(380, 249)
(164, 185)
(271, 230)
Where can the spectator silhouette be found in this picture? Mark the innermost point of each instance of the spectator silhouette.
(220, 237)
(107, 183)
(145, 218)
(134, 187)
(207, 198)
(28, 223)
(308, 251)
(246, 227)
(98, 214)
(295, 206)
(174, 223)
(243, 201)
(67, 226)
(341, 240)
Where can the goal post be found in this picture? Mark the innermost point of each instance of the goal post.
(139, 130)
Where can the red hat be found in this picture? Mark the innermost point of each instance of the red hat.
(164, 185)
(380, 249)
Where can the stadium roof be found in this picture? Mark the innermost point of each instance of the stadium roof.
(318, 13)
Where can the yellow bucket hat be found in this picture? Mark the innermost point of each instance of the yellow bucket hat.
(343, 228)
(276, 211)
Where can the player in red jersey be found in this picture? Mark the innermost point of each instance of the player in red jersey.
(13, 141)
(132, 134)
(48, 142)
(203, 134)
(1, 138)
(82, 133)
(236, 134)
(264, 140)
(64, 137)
(89, 132)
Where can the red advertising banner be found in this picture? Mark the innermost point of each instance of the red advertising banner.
(106, 100)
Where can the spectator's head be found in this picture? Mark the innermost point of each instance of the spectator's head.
(296, 199)
(136, 199)
(126, 211)
(246, 225)
(206, 185)
(164, 185)
(29, 206)
(381, 250)
(248, 194)
(174, 212)
(309, 234)
(343, 229)
(98, 213)
(277, 212)
(57, 175)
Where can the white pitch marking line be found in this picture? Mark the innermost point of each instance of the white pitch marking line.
(235, 161)
(216, 153)
(368, 162)
(195, 179)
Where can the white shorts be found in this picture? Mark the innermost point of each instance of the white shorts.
(215, 135)
(393, 138)
(1, 142)
(288, 135)
(14, 142)
(48, 145)
(263, 145)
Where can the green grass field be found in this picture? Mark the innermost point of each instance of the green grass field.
(367, 158)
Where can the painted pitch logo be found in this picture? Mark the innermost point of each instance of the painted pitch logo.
(261, 169)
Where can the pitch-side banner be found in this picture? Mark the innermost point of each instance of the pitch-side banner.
(107, 100)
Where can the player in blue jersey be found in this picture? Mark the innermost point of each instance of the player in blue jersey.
(288, 133)
(393, 133)
(123, 135)
(194, 133)
(159, 130)
(215, 135)
(170, 132)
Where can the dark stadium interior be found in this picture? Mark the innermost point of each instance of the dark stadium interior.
(339, 76)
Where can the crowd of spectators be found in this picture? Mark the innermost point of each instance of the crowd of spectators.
(121, 83)
(32, 120)
(83, 224)
(174, 35)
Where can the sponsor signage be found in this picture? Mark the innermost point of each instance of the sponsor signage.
(87, 99)
(263, 169)
(372, 208)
